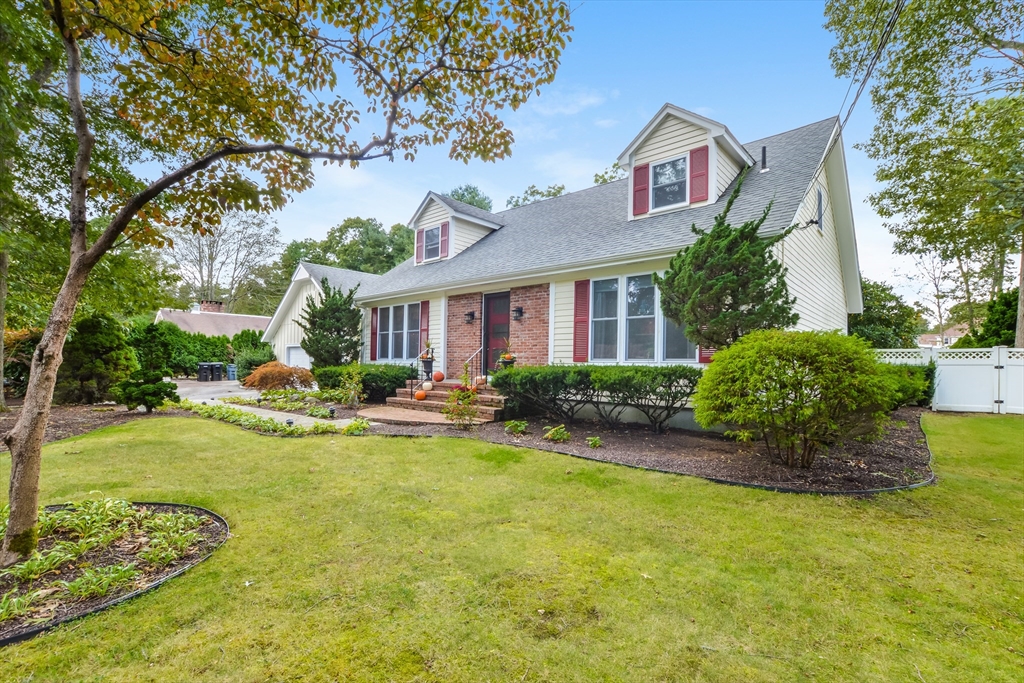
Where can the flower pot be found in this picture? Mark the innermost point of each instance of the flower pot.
(506, 363)
(428, 366)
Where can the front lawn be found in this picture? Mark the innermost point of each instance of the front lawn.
(396, 559)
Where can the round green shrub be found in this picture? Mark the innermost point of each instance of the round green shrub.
(799, 391)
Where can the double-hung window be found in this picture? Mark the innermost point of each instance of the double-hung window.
(668, 182)
(678, 346)
(398, 332)
(605, 320)
(432, 243)
(640, 318)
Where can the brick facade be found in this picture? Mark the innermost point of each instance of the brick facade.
(462, 340)
(529, 336)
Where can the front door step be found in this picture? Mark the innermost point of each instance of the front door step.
(403, 416)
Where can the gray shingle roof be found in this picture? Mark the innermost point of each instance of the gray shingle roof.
(340, 278)
(213, 324)
(592, 225)
(470, 210)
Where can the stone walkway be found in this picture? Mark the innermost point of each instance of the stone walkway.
(210, 392)
(405, 416)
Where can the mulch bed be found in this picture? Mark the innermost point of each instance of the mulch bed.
(900, 458)
(66, 421)
(214, 532)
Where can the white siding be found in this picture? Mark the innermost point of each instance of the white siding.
(671, 138)
(436, 330)
(464, 234)
(727, 171)
(562, 321)
(815, 274)
(364, 354)
(289, 333)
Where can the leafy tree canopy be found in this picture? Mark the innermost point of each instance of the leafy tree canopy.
(472, 195)
(610, 174)
(887, 322)
(535, 194)
(727, 283)
(331, 327)
(1000, 326)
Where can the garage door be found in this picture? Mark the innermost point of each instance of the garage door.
(298, 358)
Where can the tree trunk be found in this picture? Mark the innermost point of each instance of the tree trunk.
(5, 260)
(25, 440)
(966, 277)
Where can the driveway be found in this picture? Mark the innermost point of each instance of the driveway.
(205, 391)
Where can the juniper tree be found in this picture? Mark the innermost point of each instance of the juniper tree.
(331, 327)
(728, 282)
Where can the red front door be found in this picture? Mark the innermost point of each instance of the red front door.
(496, 331)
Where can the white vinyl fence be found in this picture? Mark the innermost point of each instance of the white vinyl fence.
(970, 380)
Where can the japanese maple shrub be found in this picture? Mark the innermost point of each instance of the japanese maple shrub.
(798, 391)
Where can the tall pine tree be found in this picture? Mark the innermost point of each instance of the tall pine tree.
(331, 327)
(727, 283)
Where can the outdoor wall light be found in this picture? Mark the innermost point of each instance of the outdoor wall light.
(517, 313)
(470, 317)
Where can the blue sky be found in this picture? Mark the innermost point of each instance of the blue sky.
(758, 67)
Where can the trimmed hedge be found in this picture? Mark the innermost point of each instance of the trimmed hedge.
(913, 385)
(562, 391)
(379, 380)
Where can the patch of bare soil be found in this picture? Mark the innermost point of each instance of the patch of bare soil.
(63, 607)
(899, 458)
(66, 421)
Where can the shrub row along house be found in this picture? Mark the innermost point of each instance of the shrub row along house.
(568, 279)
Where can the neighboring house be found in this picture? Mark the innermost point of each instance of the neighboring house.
(568, 279)
(949, 336)
(283, 331)
(208, 318)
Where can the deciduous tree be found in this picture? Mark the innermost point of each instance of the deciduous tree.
(472, 195)
(241, 98)
(535, 194)
(887, 321)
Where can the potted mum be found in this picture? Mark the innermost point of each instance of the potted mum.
(427, 358)
(507, 359)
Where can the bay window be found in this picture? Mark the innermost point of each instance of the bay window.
(398, 332)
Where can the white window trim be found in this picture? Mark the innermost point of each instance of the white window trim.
(425, 231)
(622, 308)
(391, 332)
(650, 185)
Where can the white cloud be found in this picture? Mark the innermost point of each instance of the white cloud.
(571, 170)
(606, 123)
(566, 103)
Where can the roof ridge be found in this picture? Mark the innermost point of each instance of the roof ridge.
(791, 130)
(346, 270)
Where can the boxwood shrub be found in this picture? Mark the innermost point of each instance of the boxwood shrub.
(379, 380)
(799, 391)
(562, 391)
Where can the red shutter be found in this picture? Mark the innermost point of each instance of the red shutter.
(699, 174)
(424, 322)
(641, 195)
(444, 240)
(419, 246)
(373, 333)
(581, 323)
(704, 354)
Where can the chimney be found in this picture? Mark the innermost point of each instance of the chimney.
(764, 158)
(207, 306)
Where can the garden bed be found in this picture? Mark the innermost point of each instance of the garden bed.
(98, 553)
(900, 458)
(68, 421)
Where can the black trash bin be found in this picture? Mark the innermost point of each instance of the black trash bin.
(203, 374)
(216, 372)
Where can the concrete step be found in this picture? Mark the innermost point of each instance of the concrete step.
(490, 413)
(482, 399)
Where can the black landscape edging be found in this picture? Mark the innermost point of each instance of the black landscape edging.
(763, 487)
(31, 633)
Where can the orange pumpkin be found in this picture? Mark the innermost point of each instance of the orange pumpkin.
(421, 395)
(480, 379)
(438, 376)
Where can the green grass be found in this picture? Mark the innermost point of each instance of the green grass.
(373, 559)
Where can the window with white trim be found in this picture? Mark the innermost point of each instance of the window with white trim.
(605, 320)
(640, 313)
(398, 332)
(669, 182)
(677, 346)
(432, 243)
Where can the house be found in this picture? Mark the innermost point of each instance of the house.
(568, 279)
(209, 318)
(948, 337)
(283, 331)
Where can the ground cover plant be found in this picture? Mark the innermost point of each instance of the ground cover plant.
(94, 550)
(253, 422)
(459, 560)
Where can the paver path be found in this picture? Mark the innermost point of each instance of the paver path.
(210, 392)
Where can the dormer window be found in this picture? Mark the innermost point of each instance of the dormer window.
(668, 183)
(432, 243)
